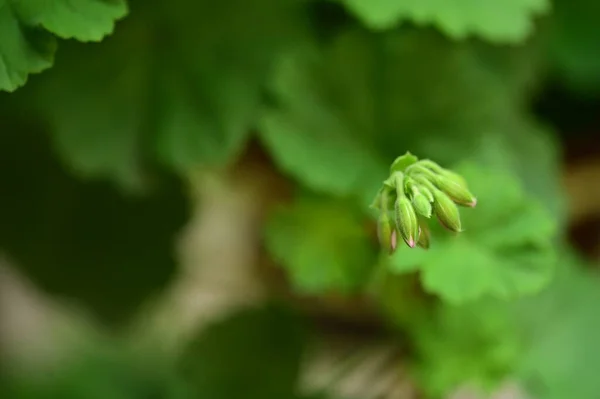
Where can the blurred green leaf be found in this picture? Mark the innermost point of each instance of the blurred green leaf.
(315, 132)
(506, 250)
(84, 20)
(97, 109)
(532, 153)
(346, 108)
(85, 242)
(561, 325)
(186, 90)
(474, 344)
(254, 354)
(23, 50)
(323, 245)
(508, 22)
(102, 374)
(575, 47)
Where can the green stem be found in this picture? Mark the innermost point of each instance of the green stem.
(399, 184)
(385, 192)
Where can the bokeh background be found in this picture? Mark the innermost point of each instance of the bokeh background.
(184, 191)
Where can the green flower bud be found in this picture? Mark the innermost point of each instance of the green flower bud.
(386, 234)
(424, 235)
(429, 164)
(454, 176)
(421, 203)
(446, 211)
(455, 186)
(418, 170)
(394, 241)
(406, 221)
(427, 193)
(424, 181)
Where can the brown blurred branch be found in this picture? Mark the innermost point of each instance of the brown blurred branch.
(582, 182)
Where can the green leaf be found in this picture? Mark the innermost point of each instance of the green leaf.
(26, 47)
(23, 50)
(574, 46)
(221, 362)
(322, 244)
(561, 326)
(506, 250)
(84, 241)
(345, 108)
(97, 109)
(306, 135)
(403, 162)
(84, 20)
(474, 344)
(506, 22)
(188, 101)
(511, 149)
(113, 372)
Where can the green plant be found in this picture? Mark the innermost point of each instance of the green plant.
(415, 190)
(109, 107)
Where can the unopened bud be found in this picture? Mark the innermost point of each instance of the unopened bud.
(427, 193)
(421, 203)
(446, 211)
(402, 162)
(394, 241)
(429, 164)
(424, 235)
(406, 221)
(386, 234)
(455, 186)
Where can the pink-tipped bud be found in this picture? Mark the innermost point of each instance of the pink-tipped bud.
(386, 233)
(393, 242)
(406, 221)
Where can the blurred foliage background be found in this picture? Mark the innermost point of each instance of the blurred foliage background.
(185, 190)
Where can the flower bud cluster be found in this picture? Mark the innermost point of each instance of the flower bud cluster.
(414, 192)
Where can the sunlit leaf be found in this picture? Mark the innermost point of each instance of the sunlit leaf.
(509, 21)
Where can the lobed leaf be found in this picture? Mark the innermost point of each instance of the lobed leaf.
(560, 326)
(505, 252)
(506, 22)
(345, 108)
(26, 43)
(322, 244)
(23, 50)
(186, 103)
(477, 344)
(309, 133)
(83, 20)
